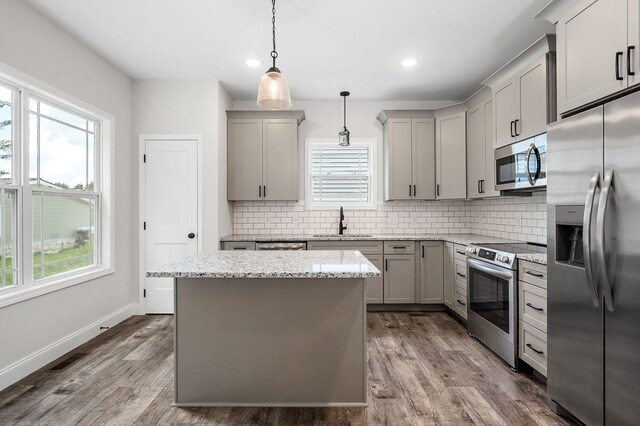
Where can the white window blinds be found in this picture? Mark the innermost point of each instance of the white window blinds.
(340, 175)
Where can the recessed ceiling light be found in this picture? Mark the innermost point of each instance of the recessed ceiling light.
(253, 63)
(409, 62)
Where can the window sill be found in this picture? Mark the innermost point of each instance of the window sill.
(337, 207)
(11, 296)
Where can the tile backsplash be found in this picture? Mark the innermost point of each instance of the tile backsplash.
(517, 218)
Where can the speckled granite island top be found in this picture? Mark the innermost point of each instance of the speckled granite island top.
(465, 239)
(270, 264)
(539, 258)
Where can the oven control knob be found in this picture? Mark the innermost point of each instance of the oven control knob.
(504, 259)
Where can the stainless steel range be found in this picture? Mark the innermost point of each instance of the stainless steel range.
(492, 276)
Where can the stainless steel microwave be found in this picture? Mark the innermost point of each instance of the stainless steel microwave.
(522, 165)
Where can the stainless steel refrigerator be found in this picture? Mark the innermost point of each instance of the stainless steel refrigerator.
(593, 196)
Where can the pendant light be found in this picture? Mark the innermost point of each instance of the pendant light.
(344, 133)
(273, 93)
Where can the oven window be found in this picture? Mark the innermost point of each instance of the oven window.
(489, 298)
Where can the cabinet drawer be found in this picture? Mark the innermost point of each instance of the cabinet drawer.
(239, 245)
(399, 247)
(533, 305)
(461, 273)
(460, 252)
(533, 347)
(533, 273)
(460, 302)
(364, 247)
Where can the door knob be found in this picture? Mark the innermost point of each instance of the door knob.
(191, 235)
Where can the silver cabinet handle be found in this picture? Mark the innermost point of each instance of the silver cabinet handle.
(594, 183)
(607, 185)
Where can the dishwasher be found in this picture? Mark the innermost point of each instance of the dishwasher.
(281, 246)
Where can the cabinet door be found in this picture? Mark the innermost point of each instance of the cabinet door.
(431, 272)
(475, 151)
(244, 159)
(424, 158)
(505, 113)
(398, 160)
(449, 275)
(399, 279)
(489, 183)
(592, 38)
(451, 157)
(375, 289)
(532, 100)
(280, 159)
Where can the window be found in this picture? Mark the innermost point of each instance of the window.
(340, 176)
(53, 199)
(64, 194)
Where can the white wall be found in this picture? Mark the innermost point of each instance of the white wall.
(33, 331)
(192, 107)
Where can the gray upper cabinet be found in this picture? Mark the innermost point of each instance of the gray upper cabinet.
(480, 153)
(451, 156)
(593, 41)
(505, 112)
(262, 155)
(524, 93)
(244, 160)
(409, 155)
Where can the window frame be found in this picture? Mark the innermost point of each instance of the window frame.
(104, 175)
(370, 143)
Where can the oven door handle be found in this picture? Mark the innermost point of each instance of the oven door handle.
(506, 274)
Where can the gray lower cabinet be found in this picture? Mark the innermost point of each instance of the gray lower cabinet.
(431, 272)
(375, 286)
(372, 250)
(449, 275)
(399, 278)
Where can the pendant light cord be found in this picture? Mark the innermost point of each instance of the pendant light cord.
(345, 112)
(274, 54)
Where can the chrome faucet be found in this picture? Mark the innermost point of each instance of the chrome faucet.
(342, 226)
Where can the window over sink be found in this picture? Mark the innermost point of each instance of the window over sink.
(340, 176)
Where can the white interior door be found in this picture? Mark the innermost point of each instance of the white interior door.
(171, 213)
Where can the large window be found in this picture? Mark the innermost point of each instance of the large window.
(51, 191)
(340, 176)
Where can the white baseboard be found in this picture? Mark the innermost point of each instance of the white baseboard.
(27, 365)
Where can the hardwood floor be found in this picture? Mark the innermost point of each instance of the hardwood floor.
(423, 369)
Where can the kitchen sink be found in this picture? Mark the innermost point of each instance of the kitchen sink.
(343, 236)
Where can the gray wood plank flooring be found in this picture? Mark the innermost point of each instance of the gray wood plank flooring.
(423, 369)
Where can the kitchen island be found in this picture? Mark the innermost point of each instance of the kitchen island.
(283, 328)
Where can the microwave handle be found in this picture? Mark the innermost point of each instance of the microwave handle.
(531, 150)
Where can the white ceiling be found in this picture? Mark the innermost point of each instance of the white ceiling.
(324, 46)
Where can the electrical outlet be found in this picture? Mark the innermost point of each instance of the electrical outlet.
(519, 222)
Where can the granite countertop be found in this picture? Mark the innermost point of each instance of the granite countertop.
(540, 258)
(465, 239)
(270, 264)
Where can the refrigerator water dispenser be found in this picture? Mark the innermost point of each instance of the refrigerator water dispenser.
(569, 229)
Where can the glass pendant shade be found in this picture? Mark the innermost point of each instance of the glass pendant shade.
(273, 92)
(343, 139)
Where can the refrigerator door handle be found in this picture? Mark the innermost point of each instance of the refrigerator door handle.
(586, 237)
(603, 204)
